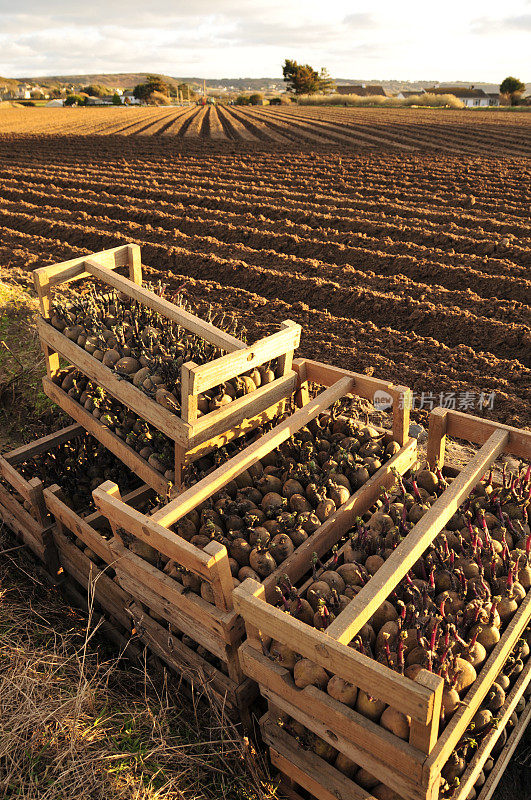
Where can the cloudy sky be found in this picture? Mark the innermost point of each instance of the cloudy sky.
(475, 40)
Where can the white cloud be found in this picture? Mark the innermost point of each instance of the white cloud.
(378, 39)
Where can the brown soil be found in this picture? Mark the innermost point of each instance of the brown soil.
(398, 262)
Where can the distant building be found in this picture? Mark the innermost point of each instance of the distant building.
(361, 89)
(471, 98)
(405, 94)
(23, 91)
(494, 98)
(129, 98)
(55, 104)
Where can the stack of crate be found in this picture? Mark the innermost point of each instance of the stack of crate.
(407, 769)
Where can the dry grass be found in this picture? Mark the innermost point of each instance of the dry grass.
(428, 100)
(76, 722)
(24, 408)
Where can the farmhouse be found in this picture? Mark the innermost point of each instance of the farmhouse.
(471, 98)
(361, 89)
(405, 94)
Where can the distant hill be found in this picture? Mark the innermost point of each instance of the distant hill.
(127, 80)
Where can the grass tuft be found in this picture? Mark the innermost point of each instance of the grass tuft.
(78, 722)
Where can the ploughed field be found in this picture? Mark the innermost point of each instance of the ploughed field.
(411, 265)
(401, 129)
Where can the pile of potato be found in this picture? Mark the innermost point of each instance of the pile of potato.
(446, 615)
(481, 725)
(265, 513)
(148, 349)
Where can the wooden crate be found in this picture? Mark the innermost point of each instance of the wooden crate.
(218, 627)
(192, 436)
(411, 769)
(22, 506)
(31, 510)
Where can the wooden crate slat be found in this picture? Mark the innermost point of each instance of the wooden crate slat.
(78, 526)
(42, 445)
(242, 408)
(372, 595)
(472, 700)
(470, 776)
(366, 386)
(235, 431)
(120, 389)
(478, 430)
(308, 770)
(147, 575)
(133, 498)
(19, 528)
(375, 748)
(202, 490)
(107, 437)
(10, 503)
(92, 579)
(169, 310)
(67, 271)
(178, 656)
(163, 540)
(495, 775)
(374, 678)
(206, 376)
(173, 614)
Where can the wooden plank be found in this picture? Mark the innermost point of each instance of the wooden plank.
(135, 263)
(206, 376)
(77, 525)
(133, 498)
(414, 700)
(172, 614)
(188, 398)
(371, 746)
(202, 490)
(436, 446)
(146, 574)
(424, 737)
(468, 779)
(182, 659)
(366, 386)
(123, 391)
(478, 430)
(15, 479)
(238, 429)
(222, 419)
(74, 269)
(145, 528)
(473, 698)
(308, 770)
(330, 532)
(285, 360)
(169, 310)
(9, 501)
(402, 404)
(399, 781)
(108, 438)
(19, 528)
(44, 444)
(369, 599)
(497, 771)
(221, 580)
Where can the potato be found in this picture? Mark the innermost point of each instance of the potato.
(342, 691)
(127, 366)
(396, 722)
(370, 707)
(283, 654)
(306, 673)
(345, 765)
